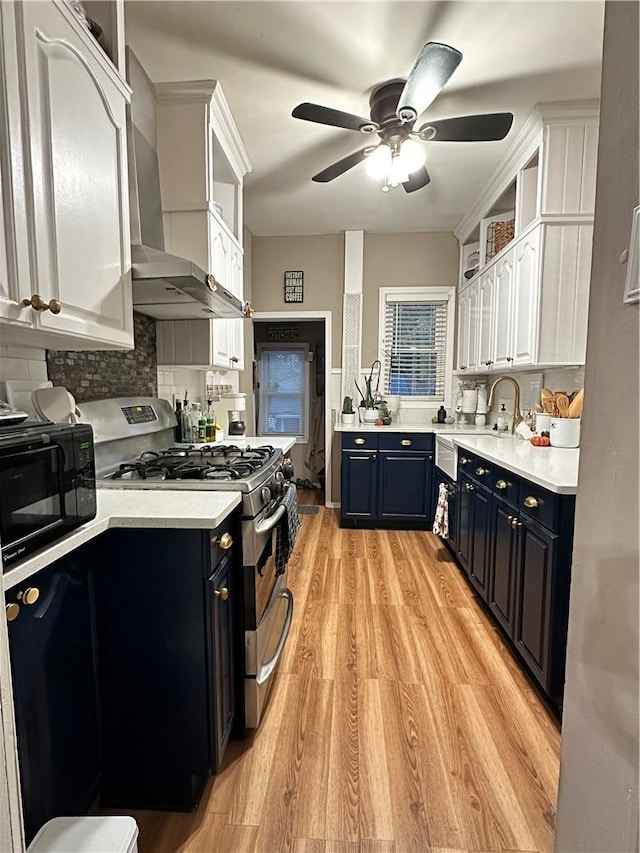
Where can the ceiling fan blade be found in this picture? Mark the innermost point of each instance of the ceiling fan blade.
(433, 68)
(480, 128)
(326, 115)
(417, 180)
(340, 166)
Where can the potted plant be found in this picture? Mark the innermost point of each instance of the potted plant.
(348, 415)
(371, 398)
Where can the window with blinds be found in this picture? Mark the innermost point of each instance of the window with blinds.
(415, 347)
(284, 391)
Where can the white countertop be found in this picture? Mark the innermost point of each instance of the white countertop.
(553, 468)
(133, 508)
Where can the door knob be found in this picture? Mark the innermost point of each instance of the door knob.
(11, 611)
(222, 593)
(225, 541)
(38, 304)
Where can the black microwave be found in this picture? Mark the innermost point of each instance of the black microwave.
(47, 485)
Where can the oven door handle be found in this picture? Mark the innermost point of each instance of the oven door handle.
(270, 523)
(267, 668)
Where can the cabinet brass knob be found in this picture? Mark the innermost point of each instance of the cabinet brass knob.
(488, 363)
(463, 367)
(406, 442)
(11, 611)
(482, 471)
(501, 484)
(38, 304)
(222, 593)
(30, 595)
(225, 541)
(509, 518)
(509, 358)
(468, 487)
(464, 460)
(234, 359)
(358, 441)
(514, 523)
(531, 502)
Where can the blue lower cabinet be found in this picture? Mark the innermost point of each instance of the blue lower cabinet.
(405, 486)
(387, 481)
(480, 545)
(465, 521)
(359, 485)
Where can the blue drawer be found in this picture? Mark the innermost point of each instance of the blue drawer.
(359, 441)
(406, 441)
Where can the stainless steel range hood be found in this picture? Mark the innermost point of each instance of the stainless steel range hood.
(164, 286)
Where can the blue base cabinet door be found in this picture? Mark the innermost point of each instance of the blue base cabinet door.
(503, 566)
(406, 486)
(481, 539)
(222, 591)
(359, 484)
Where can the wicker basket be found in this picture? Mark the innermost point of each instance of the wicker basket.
(499, 234)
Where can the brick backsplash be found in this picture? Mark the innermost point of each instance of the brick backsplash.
(96, 375)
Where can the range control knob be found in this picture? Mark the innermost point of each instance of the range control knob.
(265, 494)
(277, 487)
(287, 468)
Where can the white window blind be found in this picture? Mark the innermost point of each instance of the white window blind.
(415, 347)
(283, 391)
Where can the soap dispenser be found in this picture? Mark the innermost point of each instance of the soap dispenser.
(503, 420)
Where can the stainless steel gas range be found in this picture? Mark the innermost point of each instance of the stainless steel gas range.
(134, 448)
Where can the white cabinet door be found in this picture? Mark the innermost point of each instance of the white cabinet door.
(474, 326)
(525, 310)
(76, 126)
(220, 266)
(486, 307)
(236, 350)
(463, 330)
(503, 296)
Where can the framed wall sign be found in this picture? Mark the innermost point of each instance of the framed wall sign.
(293, 286)
(632, 283)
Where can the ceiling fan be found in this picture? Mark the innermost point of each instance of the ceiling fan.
(394, 108)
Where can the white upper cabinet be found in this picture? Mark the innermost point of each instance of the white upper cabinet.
(73, 150)
(527, 243)
(202, 167)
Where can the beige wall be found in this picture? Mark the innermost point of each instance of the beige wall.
(402, 260)
(321, 258)
(598, 801)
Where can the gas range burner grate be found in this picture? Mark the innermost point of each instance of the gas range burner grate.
(208, 462)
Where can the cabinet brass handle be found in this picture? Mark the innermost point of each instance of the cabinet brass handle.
(225, 541)
(358, 440)
(482, 471)
(234, 359)
(464, 460)
(406, 442)
(488, 363)
(29, 596)
(531, 502)
(468, 487)
(222, 593)
(463, 367)
(11, 611)
(502, 484)
(38, 304)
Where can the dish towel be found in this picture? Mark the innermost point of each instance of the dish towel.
(287, 529)
(441, 521)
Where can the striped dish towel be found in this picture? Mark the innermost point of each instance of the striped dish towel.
(287, 529)
(441, 520)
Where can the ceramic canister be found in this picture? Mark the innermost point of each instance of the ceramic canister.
(565, 432)
(543, 423)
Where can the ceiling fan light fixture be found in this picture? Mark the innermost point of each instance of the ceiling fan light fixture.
(378, 163)
(398, 173)
(412, 155)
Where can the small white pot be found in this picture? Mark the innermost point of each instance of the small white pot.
(543, 422)
(369, 416)
(565, 432)
(348, 418)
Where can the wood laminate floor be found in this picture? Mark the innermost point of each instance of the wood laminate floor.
(398, 721)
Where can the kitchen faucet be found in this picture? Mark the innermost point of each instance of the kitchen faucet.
(517, 414)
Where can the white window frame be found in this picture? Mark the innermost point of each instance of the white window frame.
(278, 347)
(422, 294)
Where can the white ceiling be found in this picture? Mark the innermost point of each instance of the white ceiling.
(270, 56)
